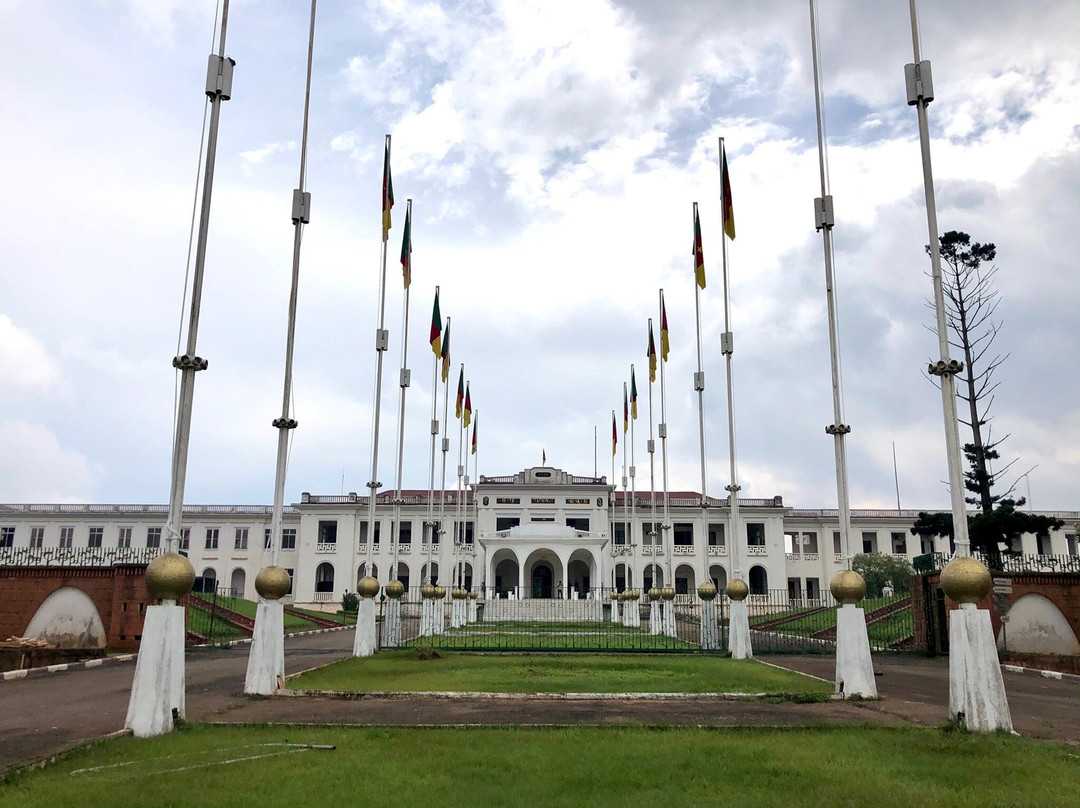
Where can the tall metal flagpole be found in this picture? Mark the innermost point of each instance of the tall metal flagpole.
(665, 528)
(157, 692)
(654, 590)
(699, 376)
(394, 588)
(614, 514)
(854, 668)
(437, 617)
(635, 615)
(429, 525)
(365, 641)
(976, 690)
(459, 546)
(737, 590)
(266, 657)
(625, 504)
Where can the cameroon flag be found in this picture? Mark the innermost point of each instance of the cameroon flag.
(699, 255)
(406, 248)
(665, 345)
(652, 355)
(468, 408)
(446, 352)
(460, 393)
(614, 435)
(633, 394)
(387, 192)
(435, 337)
(726, 205)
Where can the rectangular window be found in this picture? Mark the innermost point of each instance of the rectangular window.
(290, 572)
(37, 536)
(431, 532)
(506, 522)
(650, 534)
(241, 539)
(618, 530)
(578, 523)
(1070, 543)
(577, 501)
(405, 533)
(836, 548)
(153, 537)
(185, 538)
(288, 540)
(684, 534)
(97, 534)
(363, 531)
(542, 519)
(1042, 544)
(809, 542)
(507, 501)
(716, 534)
(266, 538)
(899, 543)
(755, 534)
(543, 500)
(328, 531)
(123, 537)
(792, 543)
(926, 544)
(67, 536)
(813, 589)
(211, 538)
(869, 541)
(7, 536)
(468, 533)
(794, 588)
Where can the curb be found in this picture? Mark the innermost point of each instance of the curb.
(33, 673)
(446, 695)
(1039, 672)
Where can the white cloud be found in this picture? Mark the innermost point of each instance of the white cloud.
(46, 471)
(25, 364)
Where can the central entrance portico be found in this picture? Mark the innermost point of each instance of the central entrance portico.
(550, 561)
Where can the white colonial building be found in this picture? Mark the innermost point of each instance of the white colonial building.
(539, 533)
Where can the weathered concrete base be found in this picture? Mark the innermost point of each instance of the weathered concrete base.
(427, 608)
(158, 687)
(976, 690)
(635, 614)
(266, 657)
(392, 623)
(438, 616)
(739, 631)
(457, 619)
(710, 631)
(472, 611)
(365, 642)
(669, 618)
(854, 667)
(654, 617)
(615, 617)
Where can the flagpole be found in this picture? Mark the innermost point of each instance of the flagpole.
(614, 514)
(635, 620)
(666, 526)
(266, 656)
(625, 504)
(434, 434)
(365, 641)
(699, 376)
(154, 699)
(429, 524)
(438, 621)
(404, 381)
(976, 690)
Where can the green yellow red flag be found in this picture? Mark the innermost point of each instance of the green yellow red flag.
(406, 248)
(726, 205)
(625, 411)
(435, 336)
(665, 345)
(633, 394)
(467, 418)
(387, 192)
(614, 435)
(652, 355)
(446, 352)
(474, 426)
(460, 393)
(699, 254)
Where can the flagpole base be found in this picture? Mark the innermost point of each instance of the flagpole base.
(976, 689)
(158, 687)
(266, 657)
(854, 666)
(392, 623)
(365, 641)
(654, 617)
(739, 631)
(710, 630)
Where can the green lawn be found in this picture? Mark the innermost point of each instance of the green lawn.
(350, 618)
(844, 767)
(550, 636)
(201, 622)
(247, 608)
(408, 670)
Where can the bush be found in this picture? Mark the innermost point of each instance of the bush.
(350, 602)
(880, 570)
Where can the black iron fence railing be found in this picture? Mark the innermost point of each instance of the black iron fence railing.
(76, 556)
(1006, 562)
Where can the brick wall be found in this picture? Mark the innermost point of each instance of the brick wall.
(118, 592)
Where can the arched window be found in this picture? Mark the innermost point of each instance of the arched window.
(759, 581)
(324, 577)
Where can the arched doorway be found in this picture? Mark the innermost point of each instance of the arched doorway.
(653, 577)
(759, 581)
(402, 574)
(237, 581)
(577, 573)
(719, 577)
(542, 580)
(207, 582)
(361, 572)
(430, 574)
(685, 582)
(506, 572)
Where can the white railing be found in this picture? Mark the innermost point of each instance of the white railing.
(810, 556)
(404, 549)
(791, 556)
(326, 547)
(324, 597)
(757, 550)
(720, 550)
(682, 549)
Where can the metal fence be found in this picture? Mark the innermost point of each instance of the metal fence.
(1006, 562)
(210, 621)
(75, 556)
(778, 623)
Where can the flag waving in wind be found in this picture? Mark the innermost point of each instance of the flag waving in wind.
(652, 355)
(446, 352)
(435, 337)
(476, 422)
(699, 254)
(665, 345)
(460, 393)
(633, 394)
(467, 418)
(726, 206)
(406, 246)
(387, 192)
(614, 435)
(625, 411)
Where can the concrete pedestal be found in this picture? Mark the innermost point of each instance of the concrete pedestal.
(426, 607)
(392, 623)
(739, 631)
(635, 614)
(615, 617)
(854, 667)
(654, 617)
(365, 641)
(158, 687)
(266, 657)
(457, 619)
(438, 616)
(976, 690)
(669, 618)
(472, 611)
(710, 631)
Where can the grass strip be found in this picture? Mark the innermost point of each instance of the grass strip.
(420, 671)
(748, 768)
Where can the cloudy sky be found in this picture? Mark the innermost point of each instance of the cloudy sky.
(553, 150)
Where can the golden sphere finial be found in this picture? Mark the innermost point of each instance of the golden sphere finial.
(847, 586)
(668, 593)
(440, 592)
(367, 587)
(966, 580)
(474, 595)
(707, 591)
(654, 594)
(737, 589)
(395, 589)
(169, 577)
(459, 594)
(427, 591)
(272, 582)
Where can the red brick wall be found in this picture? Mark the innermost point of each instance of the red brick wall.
(118, 592)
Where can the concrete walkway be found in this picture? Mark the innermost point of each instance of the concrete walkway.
(44, 715)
